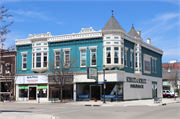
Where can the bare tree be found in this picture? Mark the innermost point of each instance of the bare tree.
(173, 80)
(62, 69)
(4, 25)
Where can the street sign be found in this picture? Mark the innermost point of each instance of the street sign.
(101, 82)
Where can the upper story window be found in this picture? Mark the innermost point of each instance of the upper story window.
(24, 60)
(57, 59)
(122, 55)
(93, 56)
(125, 56)
(136, 60)
(0, 68)
(108, 55)
(40, 60)
(107, 37)
(155, 65)
(45, 59)
(131, 59)
(57, 53)
(147, 63)
(116, 37)
(83, 57)
(139, 60)
(67, 58)
(152, 64)
(116, 55)
(7, 65)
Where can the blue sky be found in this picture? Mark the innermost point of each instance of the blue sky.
(157, 20)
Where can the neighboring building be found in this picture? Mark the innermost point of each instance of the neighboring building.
(133, 67)
(169, 70)
(7, 72)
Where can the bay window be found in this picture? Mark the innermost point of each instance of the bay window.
(116, 55)
(122, 55)
(108, 55)
(40, 60)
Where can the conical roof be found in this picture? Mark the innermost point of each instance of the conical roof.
(112, 24)
(133, 32)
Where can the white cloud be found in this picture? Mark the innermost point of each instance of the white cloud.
(165, 17)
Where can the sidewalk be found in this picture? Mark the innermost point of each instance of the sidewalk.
(149, 102)
(18, 115)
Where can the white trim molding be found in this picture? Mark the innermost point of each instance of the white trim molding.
(24, 53)
(92, 47)
(66, 49)
(82, 48)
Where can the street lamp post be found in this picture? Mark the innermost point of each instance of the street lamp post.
(104, 83)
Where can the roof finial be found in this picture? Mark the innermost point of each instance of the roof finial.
(112, 12)
(132, 25)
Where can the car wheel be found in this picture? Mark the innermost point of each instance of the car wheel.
(169, 96)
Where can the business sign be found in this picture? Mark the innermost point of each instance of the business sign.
(139, 82)
(92, 73)
(109, 96)
(83, 96)
(32, 79)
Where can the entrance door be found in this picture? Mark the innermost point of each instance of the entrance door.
(154, 89)
(95, 93)
(32, 93)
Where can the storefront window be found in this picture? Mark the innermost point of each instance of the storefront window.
(42, 91)
(23, 91)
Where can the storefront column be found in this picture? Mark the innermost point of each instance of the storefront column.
(17, 92)
(48, 92)
(74, 90)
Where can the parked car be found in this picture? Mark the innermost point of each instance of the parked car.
(169, 94)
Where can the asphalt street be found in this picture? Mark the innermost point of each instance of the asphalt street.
(65, 111)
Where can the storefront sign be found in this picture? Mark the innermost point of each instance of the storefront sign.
(136, 86)
(135, 80)
(109, 96)
(120, 96)
(83, 96)
(34, 79)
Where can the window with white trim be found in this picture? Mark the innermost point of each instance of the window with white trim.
(155, 65)
(139, 60)
(57, 59)
(122, 55)
(116, 55)
(83, 58)
(1, 68)
(66, 58)
(45, 59)
(131, 63)
(7, 65)
(147, 64)
(93, 56)
(125, 56)
(40, 60)
(24, 61)
(136, 60)
(108, 55)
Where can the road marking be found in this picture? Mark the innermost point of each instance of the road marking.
(64, 112)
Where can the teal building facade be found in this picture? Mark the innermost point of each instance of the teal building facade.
(132, 67)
